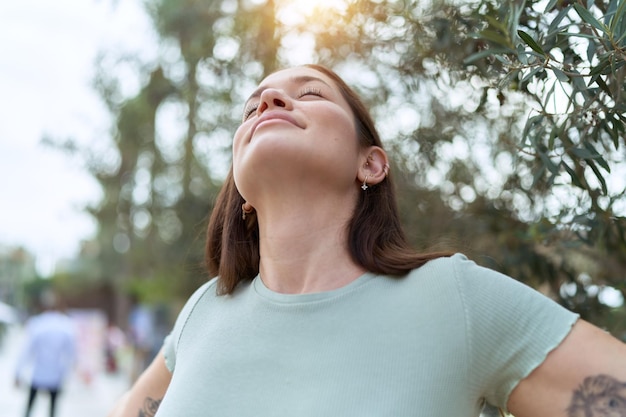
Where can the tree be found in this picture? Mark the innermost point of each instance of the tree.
(567, 59)
(159, 186)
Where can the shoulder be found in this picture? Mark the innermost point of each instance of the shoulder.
(446, 264)
(452, 269)
(509, 326)
(433, 287)
(205, 291)
(485, 293)
(466, 273)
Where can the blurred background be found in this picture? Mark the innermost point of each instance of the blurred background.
(504, 119)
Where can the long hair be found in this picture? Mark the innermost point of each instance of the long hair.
(375, 237)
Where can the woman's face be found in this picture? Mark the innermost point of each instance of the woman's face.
(296, 127)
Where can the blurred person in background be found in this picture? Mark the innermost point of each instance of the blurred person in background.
(48, 352)
(115, 340)
(318, 305)
(142, 336)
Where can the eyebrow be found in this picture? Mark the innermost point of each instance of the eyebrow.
(300, 79)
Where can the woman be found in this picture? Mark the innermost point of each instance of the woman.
(322, 309)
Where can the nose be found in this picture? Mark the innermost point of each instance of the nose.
(272, 98)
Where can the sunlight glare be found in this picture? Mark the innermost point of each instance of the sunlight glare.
(293, 12)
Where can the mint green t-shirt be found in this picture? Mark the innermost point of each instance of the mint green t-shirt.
(439, 341)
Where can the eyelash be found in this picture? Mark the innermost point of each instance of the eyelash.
(305, 92)
(310, 91)
(249, 110)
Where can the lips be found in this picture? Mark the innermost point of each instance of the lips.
(274, 115)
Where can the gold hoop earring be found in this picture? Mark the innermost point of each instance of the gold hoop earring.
(246, 208)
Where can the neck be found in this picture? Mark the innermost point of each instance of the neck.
(304, 248)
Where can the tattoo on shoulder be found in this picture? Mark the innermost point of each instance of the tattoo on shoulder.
(599, 396)
(150, 407)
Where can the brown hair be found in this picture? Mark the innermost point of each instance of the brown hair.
(376, 239)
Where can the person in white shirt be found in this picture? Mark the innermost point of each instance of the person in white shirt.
(48, 352)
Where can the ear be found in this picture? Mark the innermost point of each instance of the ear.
(374, 166)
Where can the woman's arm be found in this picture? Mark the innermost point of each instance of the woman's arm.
(145, 396)
(584, 376)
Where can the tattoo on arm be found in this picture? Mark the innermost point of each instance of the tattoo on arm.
(599, 396)
(150, 407)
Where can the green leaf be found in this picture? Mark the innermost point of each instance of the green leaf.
(548, 97)
(610, 12)
(530, 42)
(560, 75)
(504, 83)
(530, 124)
(494, 37)
(513, 18)
(588, 17)
(603, 67)
(622, 37)
(618, 21)
(531, 74)
(599, 176)
(550, 6)
(502, 59)
(580, 35)
(554, 133)
(554, 25)
(477, 56)
(537, 176)
(603, 86)
(548, 163)
(597, 157)
(583, 153)
(602, 162)
(591, 51)
(616, 129)
(487, 52)
(521, 54)
(611, 130)
(572, 174)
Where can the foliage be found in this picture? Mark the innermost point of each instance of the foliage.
(570, 63)
(567, 59)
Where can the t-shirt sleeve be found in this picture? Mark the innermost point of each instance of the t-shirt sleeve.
(511, 328)
(170, 344)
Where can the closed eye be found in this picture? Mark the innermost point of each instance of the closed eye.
(249, 110)
(310, 91)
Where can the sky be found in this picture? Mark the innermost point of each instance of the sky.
(47, 63)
